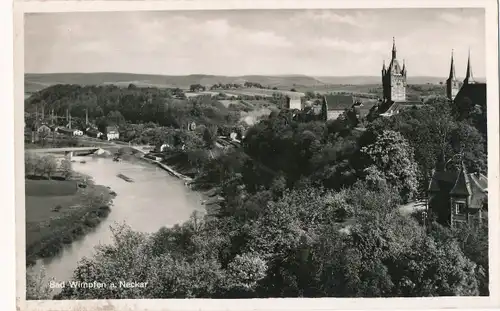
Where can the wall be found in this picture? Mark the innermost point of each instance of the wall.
(333, 114)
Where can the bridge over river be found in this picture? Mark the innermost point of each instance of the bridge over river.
(90, 149)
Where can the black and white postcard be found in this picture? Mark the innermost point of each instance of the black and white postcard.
(227, 154)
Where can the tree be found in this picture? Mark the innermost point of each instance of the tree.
(66, 169)
(115, 118)
(392, 157)
(210, 136)
(30, 163)
(48, 165)
(37, 284)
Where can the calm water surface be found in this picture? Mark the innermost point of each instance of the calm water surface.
(154, 200)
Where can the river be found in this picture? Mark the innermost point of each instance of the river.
(155, 199)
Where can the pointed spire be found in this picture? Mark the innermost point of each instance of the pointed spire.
(452, 75)
(383, 65)
(393, 47)
(468, 74)
(403, 71)
(462, 184)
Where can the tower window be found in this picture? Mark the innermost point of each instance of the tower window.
(460, 208)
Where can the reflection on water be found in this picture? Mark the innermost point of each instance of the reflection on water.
(154, 200)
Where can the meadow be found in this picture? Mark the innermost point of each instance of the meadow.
(59, 212)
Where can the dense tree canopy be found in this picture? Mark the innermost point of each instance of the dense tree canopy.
(308, 209)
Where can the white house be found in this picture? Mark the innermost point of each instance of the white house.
(295, 103)
(112, 133)
(77, 132)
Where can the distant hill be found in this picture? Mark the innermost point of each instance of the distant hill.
(365, 80)
(35, 82)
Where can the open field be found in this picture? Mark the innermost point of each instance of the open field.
(35, 82)
(48, 188)
(57, 212)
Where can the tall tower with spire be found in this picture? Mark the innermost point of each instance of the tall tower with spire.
(394, 78)
(469, 79)
(452, 84)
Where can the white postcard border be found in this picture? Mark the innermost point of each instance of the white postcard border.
(491, 21)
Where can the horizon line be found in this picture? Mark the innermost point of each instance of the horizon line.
(226, 75)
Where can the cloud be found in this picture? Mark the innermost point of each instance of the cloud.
(457, 19)
(266, 38)
(316, 42)
(351, 46)
(356, 19)
(93, 46)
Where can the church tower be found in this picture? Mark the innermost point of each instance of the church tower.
(394, 79)
(469, 79)
(452, 84)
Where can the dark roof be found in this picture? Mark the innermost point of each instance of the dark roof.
(338, 101)
(111, 128)
(462, 185)
(443, 181)
(65, 130)
(476, 92)
(93, 131)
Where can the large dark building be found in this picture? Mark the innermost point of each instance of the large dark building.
(469, 90)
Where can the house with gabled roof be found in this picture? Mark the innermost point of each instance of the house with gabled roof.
(336, 104)
(457, 197)
(112, 133)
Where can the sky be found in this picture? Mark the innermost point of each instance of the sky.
(269, 42)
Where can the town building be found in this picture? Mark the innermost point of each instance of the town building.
(161, 147)
(394, 79)
(336, 104)
(44, 128)
(66, 131)
(112, 133)
(295, 102)
(91, 132)
(471, 91)
(457, 197)
(394, 83)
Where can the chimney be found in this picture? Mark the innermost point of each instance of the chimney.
(69, 120)
(43, 111)
(53, 121)
(86, 116)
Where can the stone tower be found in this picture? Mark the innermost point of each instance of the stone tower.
(394, 79)
(469, 79)
(452, 84)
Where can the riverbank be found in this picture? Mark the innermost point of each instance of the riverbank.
(59, 212)
(169, 169)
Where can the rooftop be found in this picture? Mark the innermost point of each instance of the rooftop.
(338, 101)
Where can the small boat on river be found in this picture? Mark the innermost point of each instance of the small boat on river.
(128, 179)
(117, 159)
